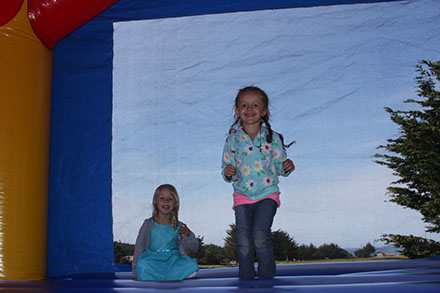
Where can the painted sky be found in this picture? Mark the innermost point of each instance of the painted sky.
(329, 72)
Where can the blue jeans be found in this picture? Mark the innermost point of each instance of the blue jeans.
(253, 223)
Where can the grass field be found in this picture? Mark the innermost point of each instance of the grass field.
(314, 261)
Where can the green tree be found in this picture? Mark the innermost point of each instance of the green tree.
(122, 249)
(414, 247)
(214, 255)
(230, 246)
(415, 160)
(332, 251)
(307, 252)
(284, 247)
(365, 251)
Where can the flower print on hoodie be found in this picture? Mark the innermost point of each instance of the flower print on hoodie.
(258, 163)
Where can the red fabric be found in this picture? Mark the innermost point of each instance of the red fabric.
(52, 20)
(8, 9)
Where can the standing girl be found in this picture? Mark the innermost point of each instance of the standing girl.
(253, 157)
(159, 253)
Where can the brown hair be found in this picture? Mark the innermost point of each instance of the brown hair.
(265, 118)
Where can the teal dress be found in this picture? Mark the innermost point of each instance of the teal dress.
(162, 261)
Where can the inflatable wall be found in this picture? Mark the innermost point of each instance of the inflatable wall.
(29, 31)
(56, 127)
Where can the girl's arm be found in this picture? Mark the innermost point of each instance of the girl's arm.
(283, 165)
(188, 240)
(140, 246)
(229, 171)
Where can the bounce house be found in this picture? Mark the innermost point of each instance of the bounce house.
(56, 232)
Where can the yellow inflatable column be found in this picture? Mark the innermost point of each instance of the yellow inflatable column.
(25, 95)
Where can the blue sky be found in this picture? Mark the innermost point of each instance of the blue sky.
(329, 72)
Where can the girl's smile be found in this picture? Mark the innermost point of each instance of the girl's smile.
(250, 108)
(165, 202)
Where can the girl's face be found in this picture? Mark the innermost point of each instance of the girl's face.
(165, 201)
(250, 108)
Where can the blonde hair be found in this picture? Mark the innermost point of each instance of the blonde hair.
(175, 212)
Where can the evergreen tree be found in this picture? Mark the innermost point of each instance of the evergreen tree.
(307, 252)
(365, 251)
(415, 159)
(332, 251)
(284, 247)
(230, 247)
(214, 255)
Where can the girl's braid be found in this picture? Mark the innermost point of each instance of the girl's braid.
(282, 141)
(269, 128)
(232, 129)
(174, 220)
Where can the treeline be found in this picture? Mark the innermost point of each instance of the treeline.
(285, 249)
(284, 246)
(123, 251)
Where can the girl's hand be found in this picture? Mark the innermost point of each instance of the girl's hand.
(230, 171)
(288, 166)
(183, 229)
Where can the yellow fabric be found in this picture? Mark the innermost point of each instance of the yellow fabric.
(25, 95)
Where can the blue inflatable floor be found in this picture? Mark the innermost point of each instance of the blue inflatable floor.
(401, 276)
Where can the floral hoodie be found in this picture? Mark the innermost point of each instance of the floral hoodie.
(258, 163)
